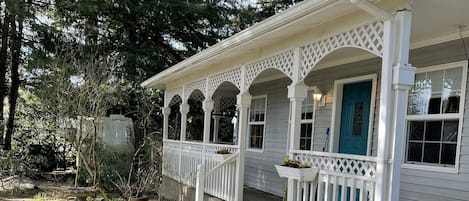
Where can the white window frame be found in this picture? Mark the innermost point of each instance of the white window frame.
(312, 121)
(459, 116)
(253, 149)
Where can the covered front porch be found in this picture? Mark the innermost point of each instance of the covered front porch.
(313, 87)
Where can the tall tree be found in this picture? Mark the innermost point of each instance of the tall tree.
(3, 65)
(17, 33)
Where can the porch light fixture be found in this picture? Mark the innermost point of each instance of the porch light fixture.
(319, 98)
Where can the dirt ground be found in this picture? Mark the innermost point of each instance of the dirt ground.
(50, 190)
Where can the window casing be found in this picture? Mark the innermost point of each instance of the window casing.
(257, 116)
(434, 117)
(307, 122)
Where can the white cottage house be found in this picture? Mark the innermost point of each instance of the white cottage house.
(372, 94)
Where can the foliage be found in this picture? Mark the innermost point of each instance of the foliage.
(144, 173)
(112, 164)
(287, 161)
(223, 150)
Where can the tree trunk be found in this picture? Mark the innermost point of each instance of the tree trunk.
(3, 67)
(15, 78)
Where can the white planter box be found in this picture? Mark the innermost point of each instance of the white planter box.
(301, 174)
(221, 157)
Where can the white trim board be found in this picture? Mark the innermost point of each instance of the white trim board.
(337, 108)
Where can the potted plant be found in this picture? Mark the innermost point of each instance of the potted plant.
(294, 169)
(222, 154)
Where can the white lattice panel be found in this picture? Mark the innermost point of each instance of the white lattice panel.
(233, 76)
(169, 94)
(175, 100)
(282, 62)
(198, 87)
(368, 37)
(226, 102)
(196, 95)
(337, 164)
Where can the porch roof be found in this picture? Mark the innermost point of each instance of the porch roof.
(306, 14)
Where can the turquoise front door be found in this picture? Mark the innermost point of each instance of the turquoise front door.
(356, 101)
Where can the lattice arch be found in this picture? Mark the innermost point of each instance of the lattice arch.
(368, 37)
(192, 87)
(233, 76)
(196, 95)
(282, 62)
(169, 94)
(174, 100)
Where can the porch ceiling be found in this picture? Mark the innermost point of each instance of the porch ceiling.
(433, 21)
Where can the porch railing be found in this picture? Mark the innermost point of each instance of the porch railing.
(181, 161)
(341, 177)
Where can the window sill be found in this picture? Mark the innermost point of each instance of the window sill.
(452, 170)
(255, 150)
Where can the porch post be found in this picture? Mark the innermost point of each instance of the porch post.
(384, 124)
(216, 118)
(208, 107)
(297, 92)
(166, 111)
(403, 80)
(184, 108)
(243, 102)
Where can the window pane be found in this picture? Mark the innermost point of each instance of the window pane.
(416, 130)
(451, 102)
(414, 152)
(305, 144)
(450, 131)
(436, 79)
(453, 78)
(448, 154)
(256, 136)
(434, 104)
(419, 97)
(306, 130)
(433, 131)
(431, 152)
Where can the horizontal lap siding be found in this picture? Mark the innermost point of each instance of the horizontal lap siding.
(431, 185)
(415, 184)
(259, 170)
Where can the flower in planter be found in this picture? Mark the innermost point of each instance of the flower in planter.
(223, 150)
(287, 161)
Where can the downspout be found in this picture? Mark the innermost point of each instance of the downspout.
(372, 9)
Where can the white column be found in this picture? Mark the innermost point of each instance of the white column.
(207, 105)
(243, 102)
(296, 93)
(385, 110)
(216, 118)
(403, 80)
(166, 111)
(184, 108)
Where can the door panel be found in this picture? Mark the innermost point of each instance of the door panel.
(356, 101)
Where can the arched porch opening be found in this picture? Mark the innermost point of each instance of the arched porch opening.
(269, 92)
(195, 116)
(174, 118)
(223, 128)
(344, 114)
